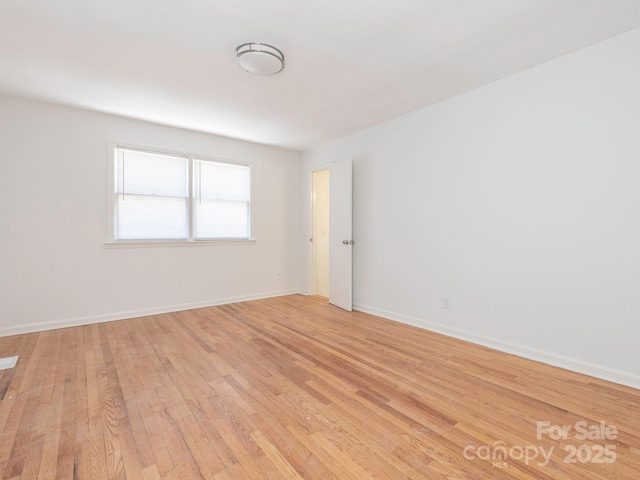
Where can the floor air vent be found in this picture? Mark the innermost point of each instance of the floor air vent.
(8, 362)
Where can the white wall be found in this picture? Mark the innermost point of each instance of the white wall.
(54, 269)
(520, 202)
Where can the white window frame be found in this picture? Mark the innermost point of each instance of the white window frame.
(111, 242)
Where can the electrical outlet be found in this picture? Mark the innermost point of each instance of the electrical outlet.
(445, 303)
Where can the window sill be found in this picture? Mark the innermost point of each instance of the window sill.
(199, 243)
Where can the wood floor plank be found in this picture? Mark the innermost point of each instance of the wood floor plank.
(282, 467)
(294, 388)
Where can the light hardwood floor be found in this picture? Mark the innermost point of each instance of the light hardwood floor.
(291, 388)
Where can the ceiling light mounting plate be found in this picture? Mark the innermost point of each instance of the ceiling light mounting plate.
(260, 58)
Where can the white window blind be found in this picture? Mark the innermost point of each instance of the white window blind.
(156, 198)
(222, 194)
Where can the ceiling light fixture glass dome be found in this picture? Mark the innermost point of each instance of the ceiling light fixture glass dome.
(260, 58)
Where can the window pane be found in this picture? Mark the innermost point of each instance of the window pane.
(221, 219)
(222, 196)
(222, 181)
(147, 173)
(151, 218)
(151, 196)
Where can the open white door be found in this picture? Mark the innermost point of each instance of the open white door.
(340, 230)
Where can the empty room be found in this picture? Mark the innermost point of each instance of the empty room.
(320, 240)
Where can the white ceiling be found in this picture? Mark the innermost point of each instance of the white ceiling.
(350, 64)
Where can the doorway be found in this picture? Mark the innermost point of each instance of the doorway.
(320, 231)
(331, 229)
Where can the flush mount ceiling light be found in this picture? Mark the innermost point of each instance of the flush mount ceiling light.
(260, 58)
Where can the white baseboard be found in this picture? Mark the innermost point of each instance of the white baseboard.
(109, 317)
(617, 376)
(623, 378)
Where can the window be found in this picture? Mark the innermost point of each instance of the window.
(171, 197)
